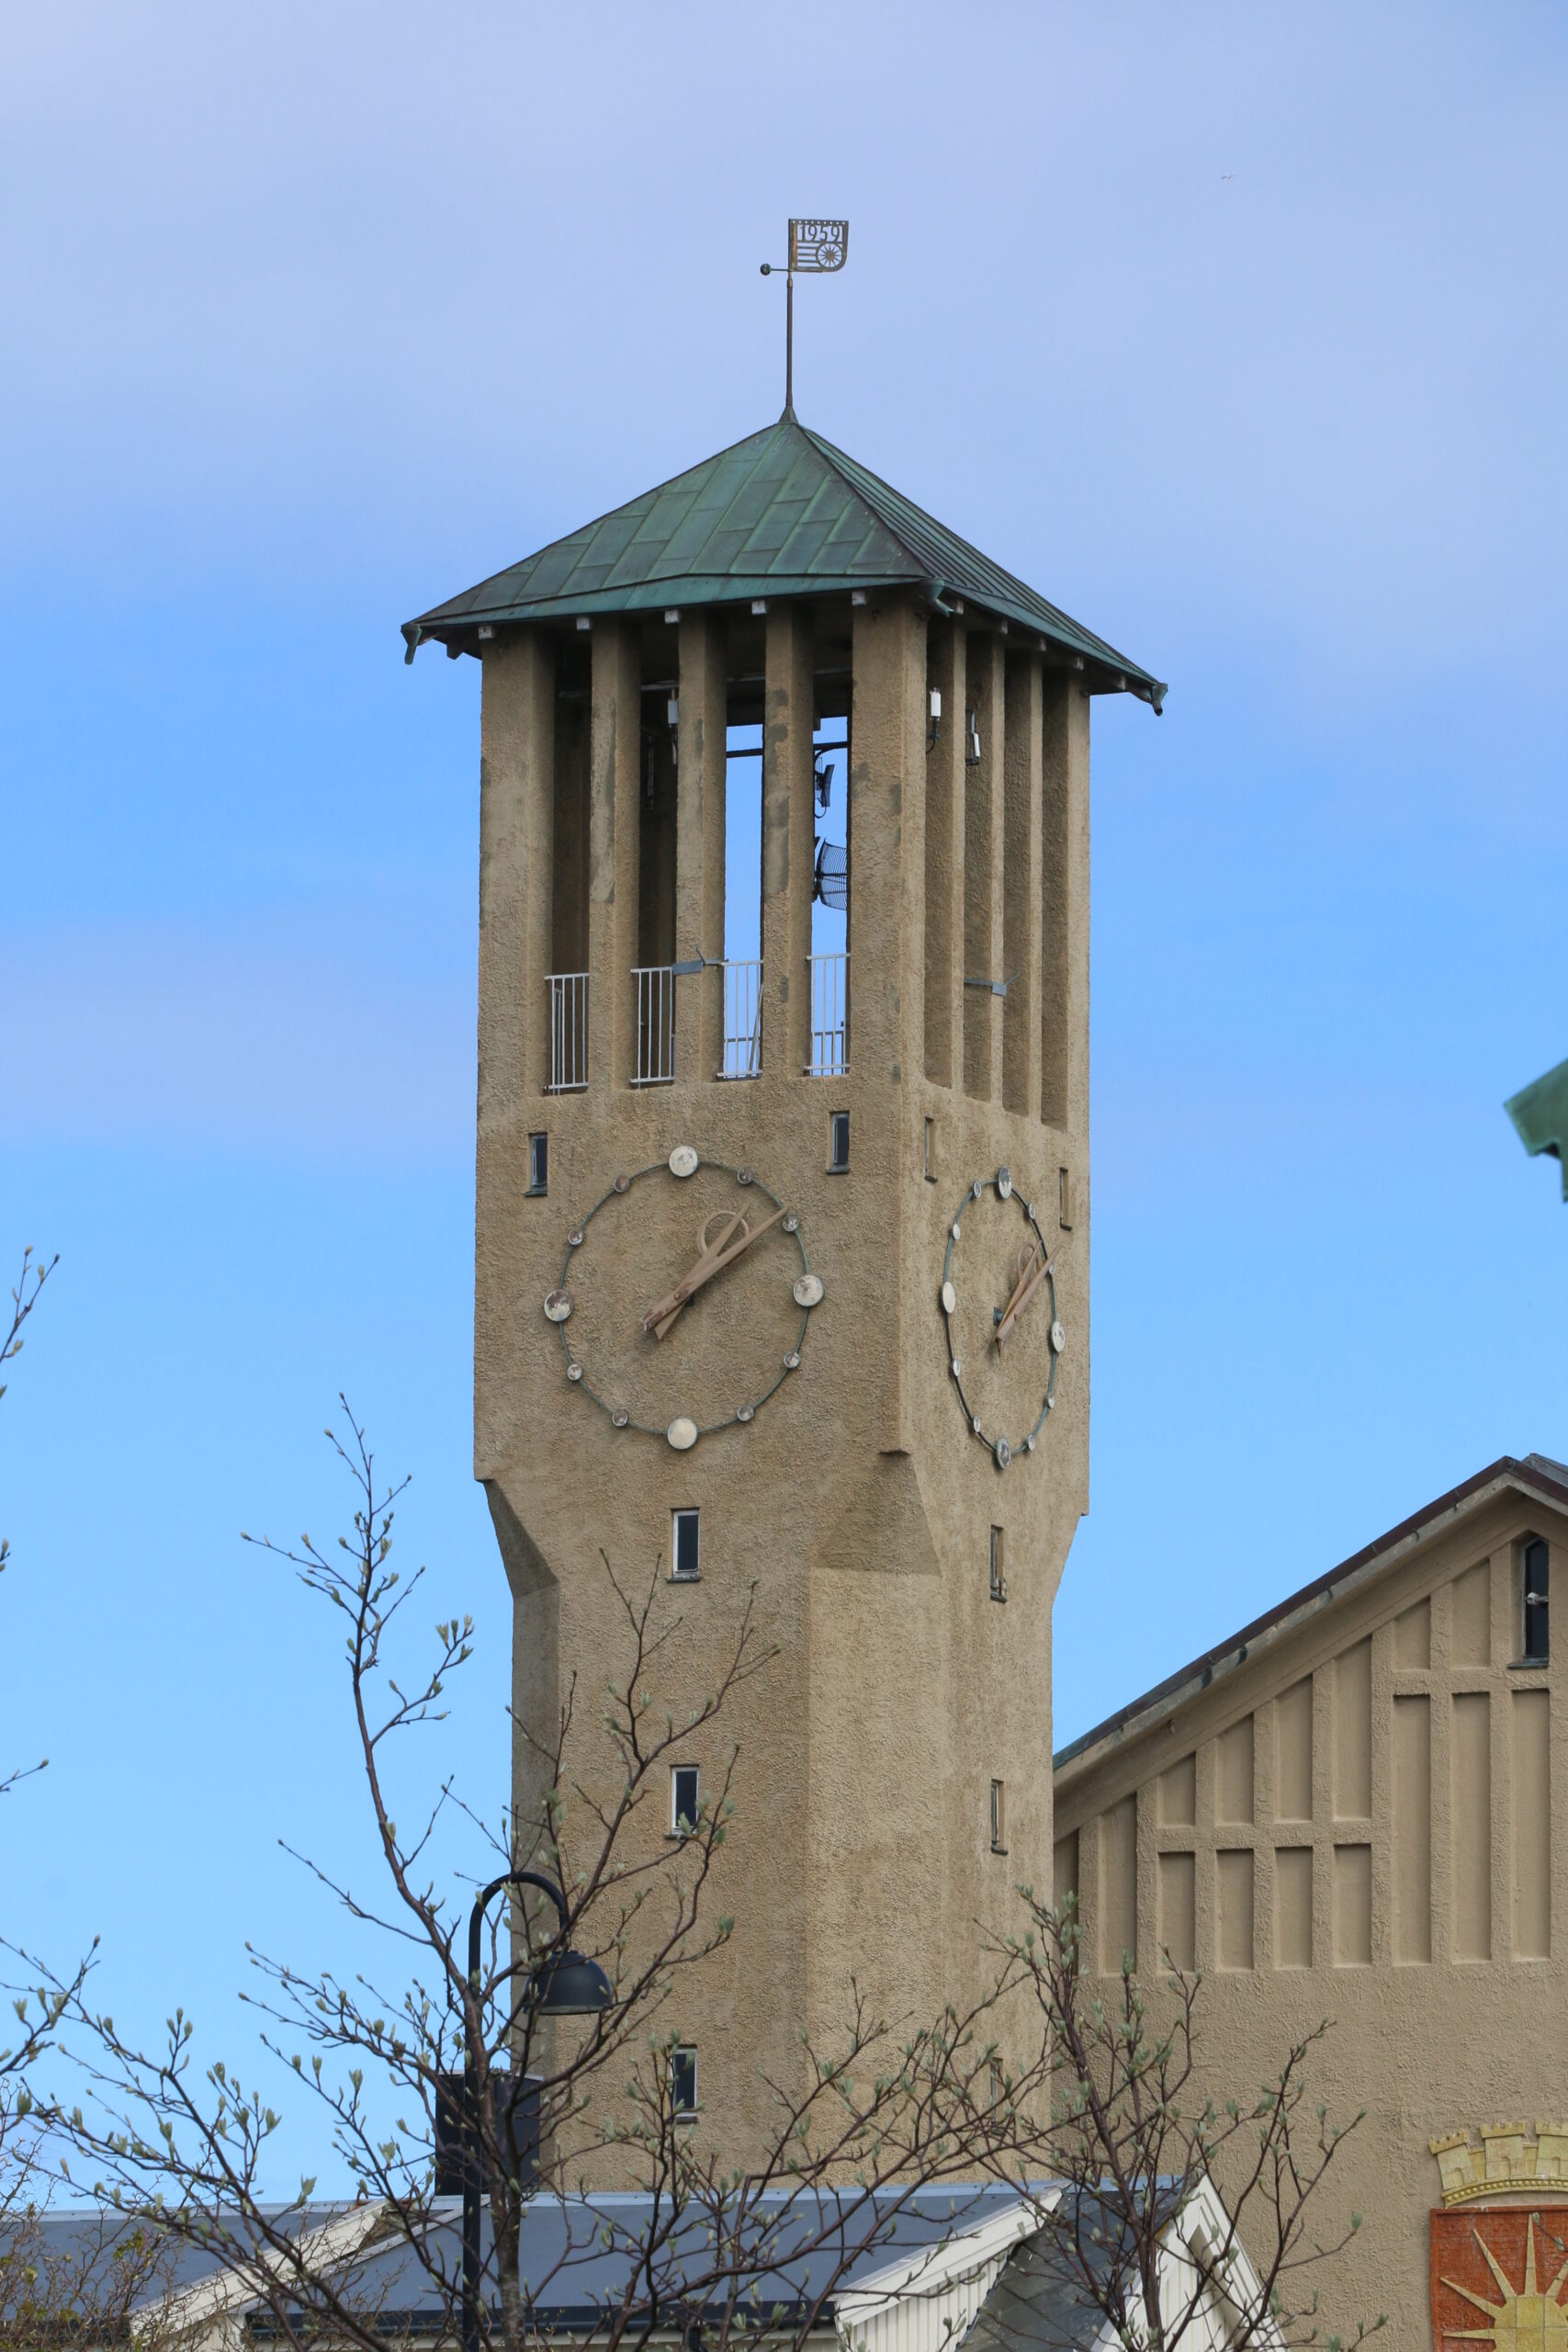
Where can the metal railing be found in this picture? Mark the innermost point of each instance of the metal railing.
(569, 1032)
(655, 1025)
(830, 1016)
(742, 1020)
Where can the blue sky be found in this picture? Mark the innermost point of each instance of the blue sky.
(1238, 333)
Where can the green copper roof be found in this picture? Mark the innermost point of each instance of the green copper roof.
(1541, 1114)
(780, 514)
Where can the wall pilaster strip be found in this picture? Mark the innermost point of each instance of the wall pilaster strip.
(702, 777)
(614, 852)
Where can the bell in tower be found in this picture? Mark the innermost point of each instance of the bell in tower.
(783, 1245)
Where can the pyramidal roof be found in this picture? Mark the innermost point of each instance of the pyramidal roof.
(780, 514)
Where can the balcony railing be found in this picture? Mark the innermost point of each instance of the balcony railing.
(569, 1032)
(742, 1020)
(655, 1025)
(830, 1016)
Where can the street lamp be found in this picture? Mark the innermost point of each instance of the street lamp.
(569, 1985)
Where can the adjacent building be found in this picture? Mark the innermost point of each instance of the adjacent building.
(1354, 1809)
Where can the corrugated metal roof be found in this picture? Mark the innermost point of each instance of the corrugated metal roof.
(780, 514)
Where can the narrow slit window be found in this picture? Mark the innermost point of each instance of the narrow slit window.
(999, 1818)
(1065, 1199)
(838, 1143)
(539, 1163)
(683, 2083)
(685, 1800)
(931, 1151)
(999, 1576)
(685, 1548)
(1537, 1562)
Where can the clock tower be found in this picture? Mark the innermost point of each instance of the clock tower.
(783, 1247)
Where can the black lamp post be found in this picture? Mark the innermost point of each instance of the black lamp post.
(566, 1986)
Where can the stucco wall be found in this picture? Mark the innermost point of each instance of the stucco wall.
(857, 1504)
(1363, 1823)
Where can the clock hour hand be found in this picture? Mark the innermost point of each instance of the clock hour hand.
(713, 1256)
(1032, 1269)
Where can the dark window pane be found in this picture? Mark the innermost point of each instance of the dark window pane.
(1538, 1561)
(683, 1797)
(839, 1145)
(687, 1543)
(683, 2081)
(539, 1163)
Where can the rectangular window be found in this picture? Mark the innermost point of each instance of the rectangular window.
(684, 2082)
(998, 1581)
(998, 1818)
(539, 1163)
(838, 1143)
(1065, 1199)
(931, 1151)
(684, 1800)
(685, 1546)
(1535, 1564)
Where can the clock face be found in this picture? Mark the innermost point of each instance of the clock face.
(684, 1299)
(1003, 1336)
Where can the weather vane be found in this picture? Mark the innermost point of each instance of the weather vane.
(815, 247)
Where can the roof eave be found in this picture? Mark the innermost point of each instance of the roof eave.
(457, 625)
(1074, 1762)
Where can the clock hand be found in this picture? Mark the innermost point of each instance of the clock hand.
(714, 1256)
(658, 1319)
(1032, 1270)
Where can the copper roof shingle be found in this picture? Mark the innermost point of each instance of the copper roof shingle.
(780, 514)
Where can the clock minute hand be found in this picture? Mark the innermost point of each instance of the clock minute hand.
(657, 1318)
(716, 1256)
(723, 1253)
(1034, 1266)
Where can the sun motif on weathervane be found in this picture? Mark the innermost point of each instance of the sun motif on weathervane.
(1528, 2318)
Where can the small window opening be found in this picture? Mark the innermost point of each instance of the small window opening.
(686, 1545)
(830, 854)
(838, 1143)
(998, 1579)
(931, 1151)
(999, 1818)
(684, 2082)
(539, 1163)
(743, 941)
(1065, 1199)
(684, 1800)
(1537, 1566)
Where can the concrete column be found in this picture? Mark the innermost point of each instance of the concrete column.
(516, 876)
(887, 843)
(788, 815)
(700, 786)
(1064, 883)
(1021, 887)
(945, 858)
(614, 852)
(887, 870)
(986, 695)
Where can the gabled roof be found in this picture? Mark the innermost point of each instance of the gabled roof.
(1537, 1473)
(780, 514)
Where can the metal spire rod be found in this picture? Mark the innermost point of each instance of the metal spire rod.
(819, 247)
